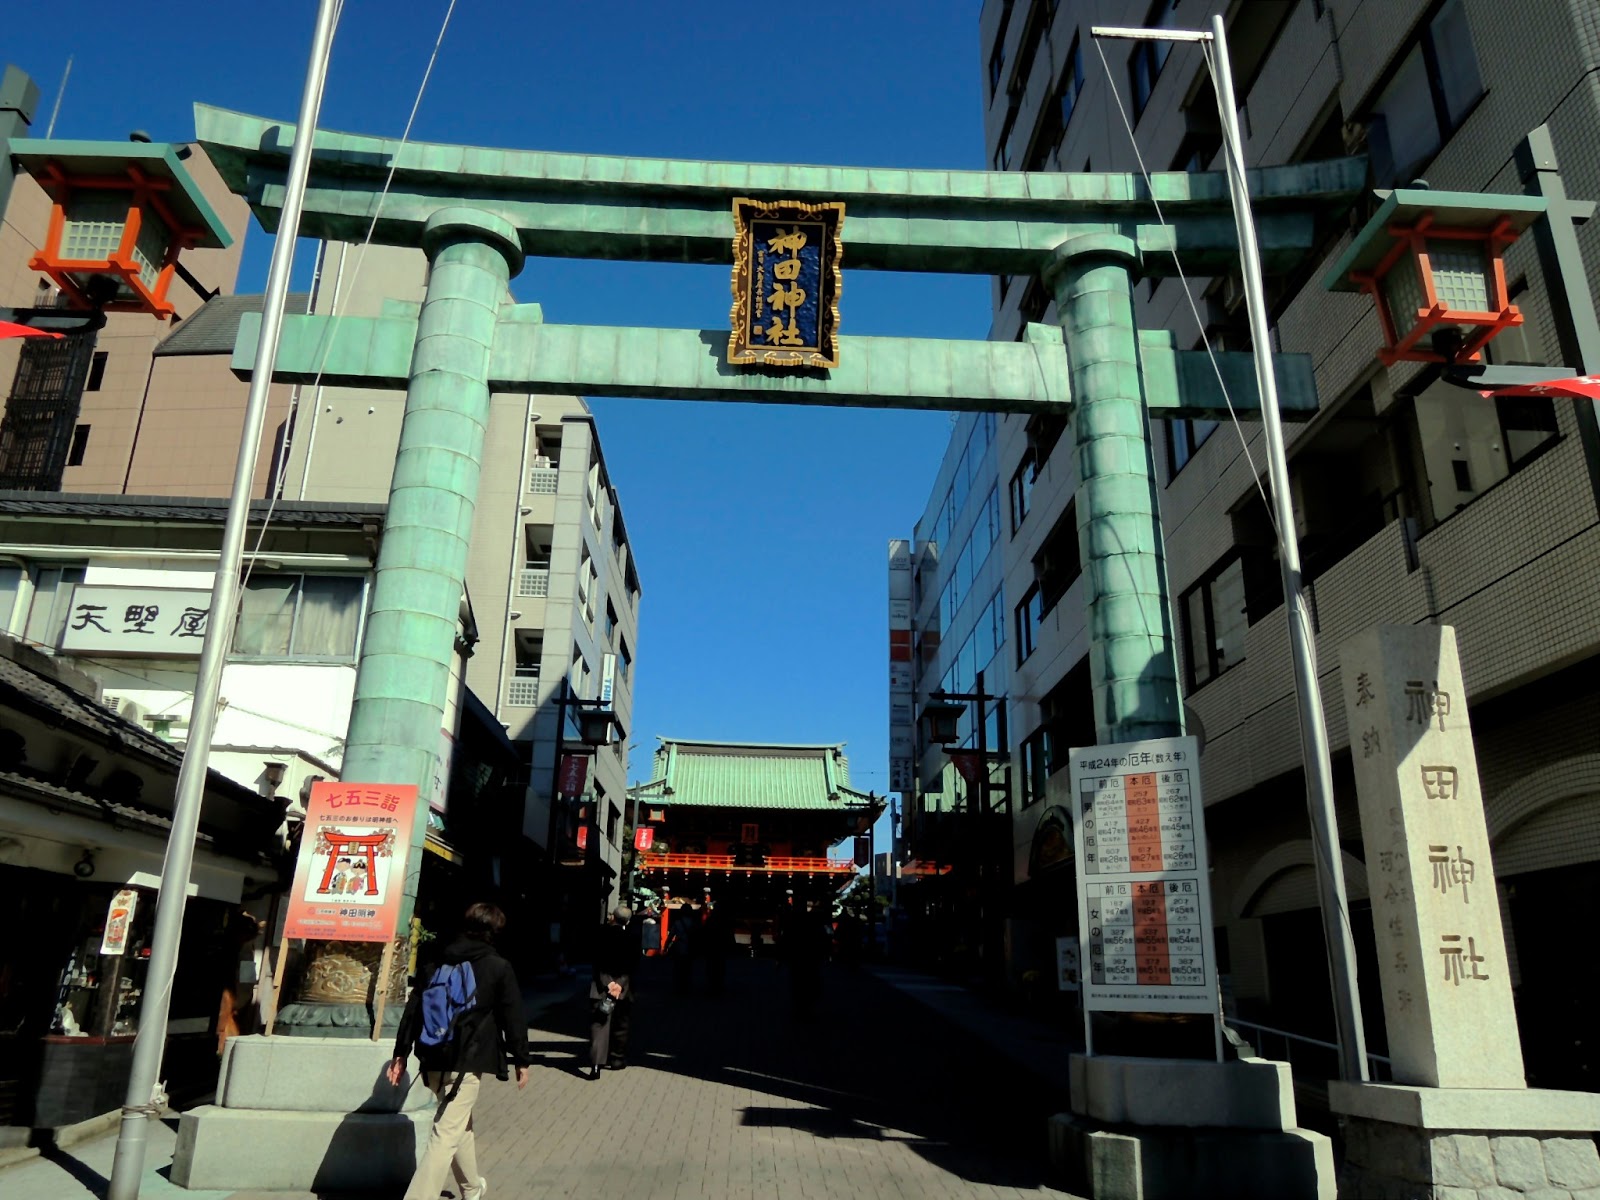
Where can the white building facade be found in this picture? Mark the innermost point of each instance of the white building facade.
(1415, 501)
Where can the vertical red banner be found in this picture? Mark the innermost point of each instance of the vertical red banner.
(350, 875)
(573, 774)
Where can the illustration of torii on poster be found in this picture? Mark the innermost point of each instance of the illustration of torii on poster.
(351, 871)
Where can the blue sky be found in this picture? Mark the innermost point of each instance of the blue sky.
(760, 531)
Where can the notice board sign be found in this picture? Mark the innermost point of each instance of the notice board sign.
(351, 872)
(1144, 899)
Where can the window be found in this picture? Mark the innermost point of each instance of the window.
(1214, 621)
(1197, 150)
(1028, 615)
(97, 371)
(1071, 84)
(1035, 766)
(1044, 431)
(1057, 563)
(1434, 88)
(1021, 492)
(624, 660)
(1002, 153)
(1184, 437)
(1034, 302)
(611, 621)
(1528, 424)
(299, 616)
(1491, 437)
(80, 443)
(52, 603)
(1149, 56)
(997, 59)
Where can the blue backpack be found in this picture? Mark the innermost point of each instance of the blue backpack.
(449, 996)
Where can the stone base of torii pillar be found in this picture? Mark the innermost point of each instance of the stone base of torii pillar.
(1165, 1129)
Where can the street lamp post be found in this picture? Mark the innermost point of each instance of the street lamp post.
(596, 724)
(942, 714)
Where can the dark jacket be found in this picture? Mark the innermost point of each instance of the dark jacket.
(616, 953)
(495, 1028)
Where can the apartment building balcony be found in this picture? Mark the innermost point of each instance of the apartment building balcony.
(534, 582)
(543, 477)
(1511, 571)
(523, 689)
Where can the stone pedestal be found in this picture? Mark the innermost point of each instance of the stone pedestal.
(1420, 1143)
(304, 1114)
(1165, 1129)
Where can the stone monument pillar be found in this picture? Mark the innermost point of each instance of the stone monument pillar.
(1458, 1115)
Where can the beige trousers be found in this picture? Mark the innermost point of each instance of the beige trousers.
(451, 1146)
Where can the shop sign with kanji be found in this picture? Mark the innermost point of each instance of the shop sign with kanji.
(350, 874)
(786, 283)
(148, 621)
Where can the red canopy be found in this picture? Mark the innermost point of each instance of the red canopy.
(10, 329)
(1579, 387)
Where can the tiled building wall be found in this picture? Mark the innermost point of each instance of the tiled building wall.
(1514, 571)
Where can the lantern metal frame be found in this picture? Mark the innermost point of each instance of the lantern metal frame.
(1397, 239)
(156, 184)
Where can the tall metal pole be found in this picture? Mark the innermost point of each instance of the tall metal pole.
(1572, 311)
(1313, 727)
(142, 1102)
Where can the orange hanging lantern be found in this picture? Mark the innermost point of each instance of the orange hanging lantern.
(121, 214)
(1434, 264)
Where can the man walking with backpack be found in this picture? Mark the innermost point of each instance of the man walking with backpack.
(464, 1018)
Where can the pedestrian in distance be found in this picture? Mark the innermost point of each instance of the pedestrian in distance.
(464, 1019)
(616, 959)
(717, 942)
(803, 940)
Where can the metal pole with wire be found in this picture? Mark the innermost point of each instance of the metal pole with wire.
(1313, 726)
(143, 1099)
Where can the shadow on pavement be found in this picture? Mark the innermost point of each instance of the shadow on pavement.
(84, 1174)
(869, 1064)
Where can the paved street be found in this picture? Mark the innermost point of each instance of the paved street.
(878, 1096)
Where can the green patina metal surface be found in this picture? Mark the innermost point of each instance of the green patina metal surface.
(589, 206)
(741, 775)
(403, 679)
(157, 160)
(1090, 232)
(1132, 665)
(691, 364)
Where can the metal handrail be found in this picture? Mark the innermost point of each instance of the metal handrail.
(1373, 1060)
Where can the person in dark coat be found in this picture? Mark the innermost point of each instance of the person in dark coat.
(803, 941)
(616, 959)
(683, 944)
(492, 1030)
(717, 943)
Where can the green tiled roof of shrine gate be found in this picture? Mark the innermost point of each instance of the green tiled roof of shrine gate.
(747, 775)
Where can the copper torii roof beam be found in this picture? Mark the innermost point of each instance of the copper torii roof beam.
(590, 206)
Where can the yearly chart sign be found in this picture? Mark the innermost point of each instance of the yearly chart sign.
(351, 872)
(1144, 902)
(786, 283)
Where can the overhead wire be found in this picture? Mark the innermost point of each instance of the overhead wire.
(1183, 279)
(339, 285)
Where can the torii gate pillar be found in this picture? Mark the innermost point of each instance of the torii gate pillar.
(1132, 667)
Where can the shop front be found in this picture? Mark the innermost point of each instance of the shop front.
(85, 800)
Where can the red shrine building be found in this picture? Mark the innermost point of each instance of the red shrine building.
(755, 824)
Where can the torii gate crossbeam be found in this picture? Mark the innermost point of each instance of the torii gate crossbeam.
(479, 212)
